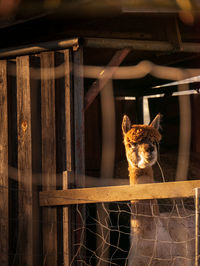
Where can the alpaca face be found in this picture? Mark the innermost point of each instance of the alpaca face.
(142, 154)
(141, 142)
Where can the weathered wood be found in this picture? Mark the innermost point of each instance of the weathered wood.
(105, 76)
(68, 112)
(140, 45)
(48, 156)
(79, 126)
(36, 159)
(3, 165)
(12, 169)
(67, 175)
(39, 47)
(119, 193)
(24, 162)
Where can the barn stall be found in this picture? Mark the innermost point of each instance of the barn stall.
(65, 194)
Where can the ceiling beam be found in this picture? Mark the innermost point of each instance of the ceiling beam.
(141, 45)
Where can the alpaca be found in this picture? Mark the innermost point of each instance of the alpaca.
(156, 238)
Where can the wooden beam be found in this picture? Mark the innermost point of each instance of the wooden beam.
(119, 193)
(48, 155)
(105, 76)
(39, 47)
(140, 45)
(173, 33)
(3, 166)
(24, 162)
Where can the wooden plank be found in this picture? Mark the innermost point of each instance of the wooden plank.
(79, 151)
(79, 123)
(68, 175)
(68, 112)
(48, 155)
(24, 162)
(3, 165)
(39, 47)
(105, 76)
(13, 164)
(119, 193)
(36, 159)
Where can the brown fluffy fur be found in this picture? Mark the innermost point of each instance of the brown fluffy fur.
(138, 133)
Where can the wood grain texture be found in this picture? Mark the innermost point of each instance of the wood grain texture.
(3, 165)
(79, 121)
(24, 162)
(48, 155)
(68, 112)
(68, 175)
(119, 193)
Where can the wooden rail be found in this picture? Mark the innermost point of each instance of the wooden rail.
(119, 193)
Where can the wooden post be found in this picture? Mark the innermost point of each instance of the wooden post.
(4, 229)
(48, 155)
(24, 162)
(68, 175)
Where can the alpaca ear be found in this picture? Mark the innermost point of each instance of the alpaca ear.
(126, 124)
(156, 122)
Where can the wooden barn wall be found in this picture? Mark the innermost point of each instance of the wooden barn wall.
(37, 153)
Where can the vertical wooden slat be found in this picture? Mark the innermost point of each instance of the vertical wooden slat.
(79, 125)
(24, 162)
(68, 175)
(36, 158)
(68, 112)
(79, 147)
(48, 155)
(13, 161)
(3, 165)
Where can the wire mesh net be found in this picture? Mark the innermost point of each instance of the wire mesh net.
(135, 233)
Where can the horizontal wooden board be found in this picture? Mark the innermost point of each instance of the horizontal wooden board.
(180, 189)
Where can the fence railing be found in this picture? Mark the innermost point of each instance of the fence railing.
(119, 193)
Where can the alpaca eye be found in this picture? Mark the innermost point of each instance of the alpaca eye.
(131, 145)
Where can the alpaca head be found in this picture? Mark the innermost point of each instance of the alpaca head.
(141, 142)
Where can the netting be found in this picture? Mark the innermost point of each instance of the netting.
(141, 233)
